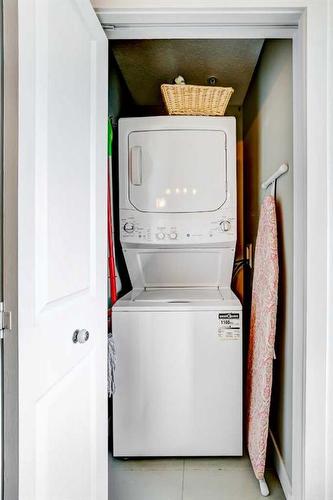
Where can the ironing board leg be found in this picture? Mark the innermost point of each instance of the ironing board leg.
(263, 488)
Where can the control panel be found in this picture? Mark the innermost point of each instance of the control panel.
(140, 230)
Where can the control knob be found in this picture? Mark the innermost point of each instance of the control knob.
(173, 236)
(129, 227)
(160, 236)
(225, 225)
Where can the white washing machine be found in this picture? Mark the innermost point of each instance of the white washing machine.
(178, 333)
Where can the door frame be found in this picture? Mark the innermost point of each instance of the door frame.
(301, 21)
(10, 249)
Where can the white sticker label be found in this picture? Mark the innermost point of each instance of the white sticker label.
(228, 326)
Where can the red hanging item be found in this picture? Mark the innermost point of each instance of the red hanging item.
(111, 257)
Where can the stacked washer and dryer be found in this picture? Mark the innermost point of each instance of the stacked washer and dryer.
(178, 333)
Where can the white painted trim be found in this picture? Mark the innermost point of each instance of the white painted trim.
(317, 283)
(1, 256)
(10, 249)
(198, 23)
(329, 389)
(281, 469)
(199, 16)
(299, 265)
(186, 32)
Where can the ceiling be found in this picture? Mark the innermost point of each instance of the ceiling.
(145, 64)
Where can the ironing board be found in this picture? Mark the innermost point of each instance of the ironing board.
(262, 338)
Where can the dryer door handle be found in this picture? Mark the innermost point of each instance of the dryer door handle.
(136, 165)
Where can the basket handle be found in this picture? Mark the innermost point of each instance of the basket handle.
(136, 166)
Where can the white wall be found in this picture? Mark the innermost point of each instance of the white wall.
(268, 142)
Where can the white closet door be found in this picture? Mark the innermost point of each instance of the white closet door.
(62, 393)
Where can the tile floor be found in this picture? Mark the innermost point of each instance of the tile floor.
(188, 479)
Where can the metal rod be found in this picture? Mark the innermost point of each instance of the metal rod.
(280, 171)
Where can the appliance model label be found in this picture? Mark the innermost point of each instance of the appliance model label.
(229, 324)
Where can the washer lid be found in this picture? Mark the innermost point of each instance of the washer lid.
(177, 170)
(179, 295)
(178, 299)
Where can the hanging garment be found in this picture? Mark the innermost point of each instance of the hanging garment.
(111, 366)
(262, 336)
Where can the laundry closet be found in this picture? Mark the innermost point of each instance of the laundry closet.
(260, 116)
(175, 424)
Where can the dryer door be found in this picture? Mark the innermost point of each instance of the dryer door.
(177, 170)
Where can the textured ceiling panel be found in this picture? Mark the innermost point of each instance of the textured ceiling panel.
(145, 64)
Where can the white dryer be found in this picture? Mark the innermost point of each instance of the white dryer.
(178, 333)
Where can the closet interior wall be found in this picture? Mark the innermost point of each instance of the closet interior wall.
(264, 141)
(268, 142)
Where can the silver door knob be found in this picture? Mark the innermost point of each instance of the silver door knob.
(80, 336)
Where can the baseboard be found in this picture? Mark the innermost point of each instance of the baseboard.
(281, 469)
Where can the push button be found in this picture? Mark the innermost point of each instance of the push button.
(225, 225)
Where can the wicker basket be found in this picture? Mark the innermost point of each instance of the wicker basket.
(196, 99)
